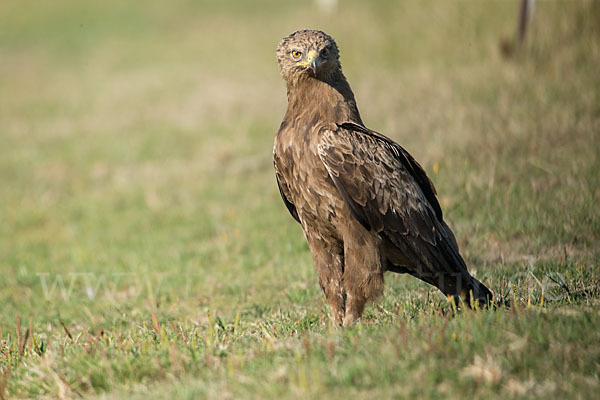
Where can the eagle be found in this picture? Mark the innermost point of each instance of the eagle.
(365, 205)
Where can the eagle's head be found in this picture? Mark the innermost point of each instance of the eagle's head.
(308, 53)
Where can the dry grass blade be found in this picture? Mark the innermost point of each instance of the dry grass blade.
(66, 330)
(19, 344)
(22, 347)
(3, 383)
(178, 331)
(155, 324)
(30, 331)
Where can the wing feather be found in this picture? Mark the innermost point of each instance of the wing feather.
(290, 206)
(401, 155)
(388, 192)
(377, 184)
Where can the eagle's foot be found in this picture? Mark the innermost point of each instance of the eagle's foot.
(349, 320)
(338, 317)
(354, 309)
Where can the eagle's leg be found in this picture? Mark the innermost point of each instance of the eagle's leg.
(363, 272)
(330, 263)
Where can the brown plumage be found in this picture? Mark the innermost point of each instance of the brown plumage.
(365, 205)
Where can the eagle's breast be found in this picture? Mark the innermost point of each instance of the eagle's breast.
(308, 184)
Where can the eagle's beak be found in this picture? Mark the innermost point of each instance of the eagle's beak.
(313, 61)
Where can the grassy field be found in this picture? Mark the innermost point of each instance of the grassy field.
(145, 251)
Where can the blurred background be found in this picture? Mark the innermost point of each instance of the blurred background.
(136, 137)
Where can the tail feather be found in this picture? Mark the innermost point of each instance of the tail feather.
(481, 293)
(443, 267)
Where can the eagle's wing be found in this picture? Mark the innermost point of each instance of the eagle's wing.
(385, 188)
(388, 192)
(285, 195)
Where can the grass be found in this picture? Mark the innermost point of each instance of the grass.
(136, 169)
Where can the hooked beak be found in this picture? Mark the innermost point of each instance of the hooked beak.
(313, 61)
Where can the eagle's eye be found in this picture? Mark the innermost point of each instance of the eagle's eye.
(325, 52)
(296, 54)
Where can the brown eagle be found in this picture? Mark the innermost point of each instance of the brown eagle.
(365, 205)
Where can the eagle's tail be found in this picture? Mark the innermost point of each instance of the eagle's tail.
(465, 287)
(481, 294)
(443, 267)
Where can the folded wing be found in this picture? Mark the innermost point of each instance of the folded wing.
(388, 192)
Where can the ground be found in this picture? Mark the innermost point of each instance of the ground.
(145, 251)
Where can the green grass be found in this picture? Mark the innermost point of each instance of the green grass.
(135, 161)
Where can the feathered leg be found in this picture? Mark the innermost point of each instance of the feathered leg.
(363, 272)
(329, 261)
